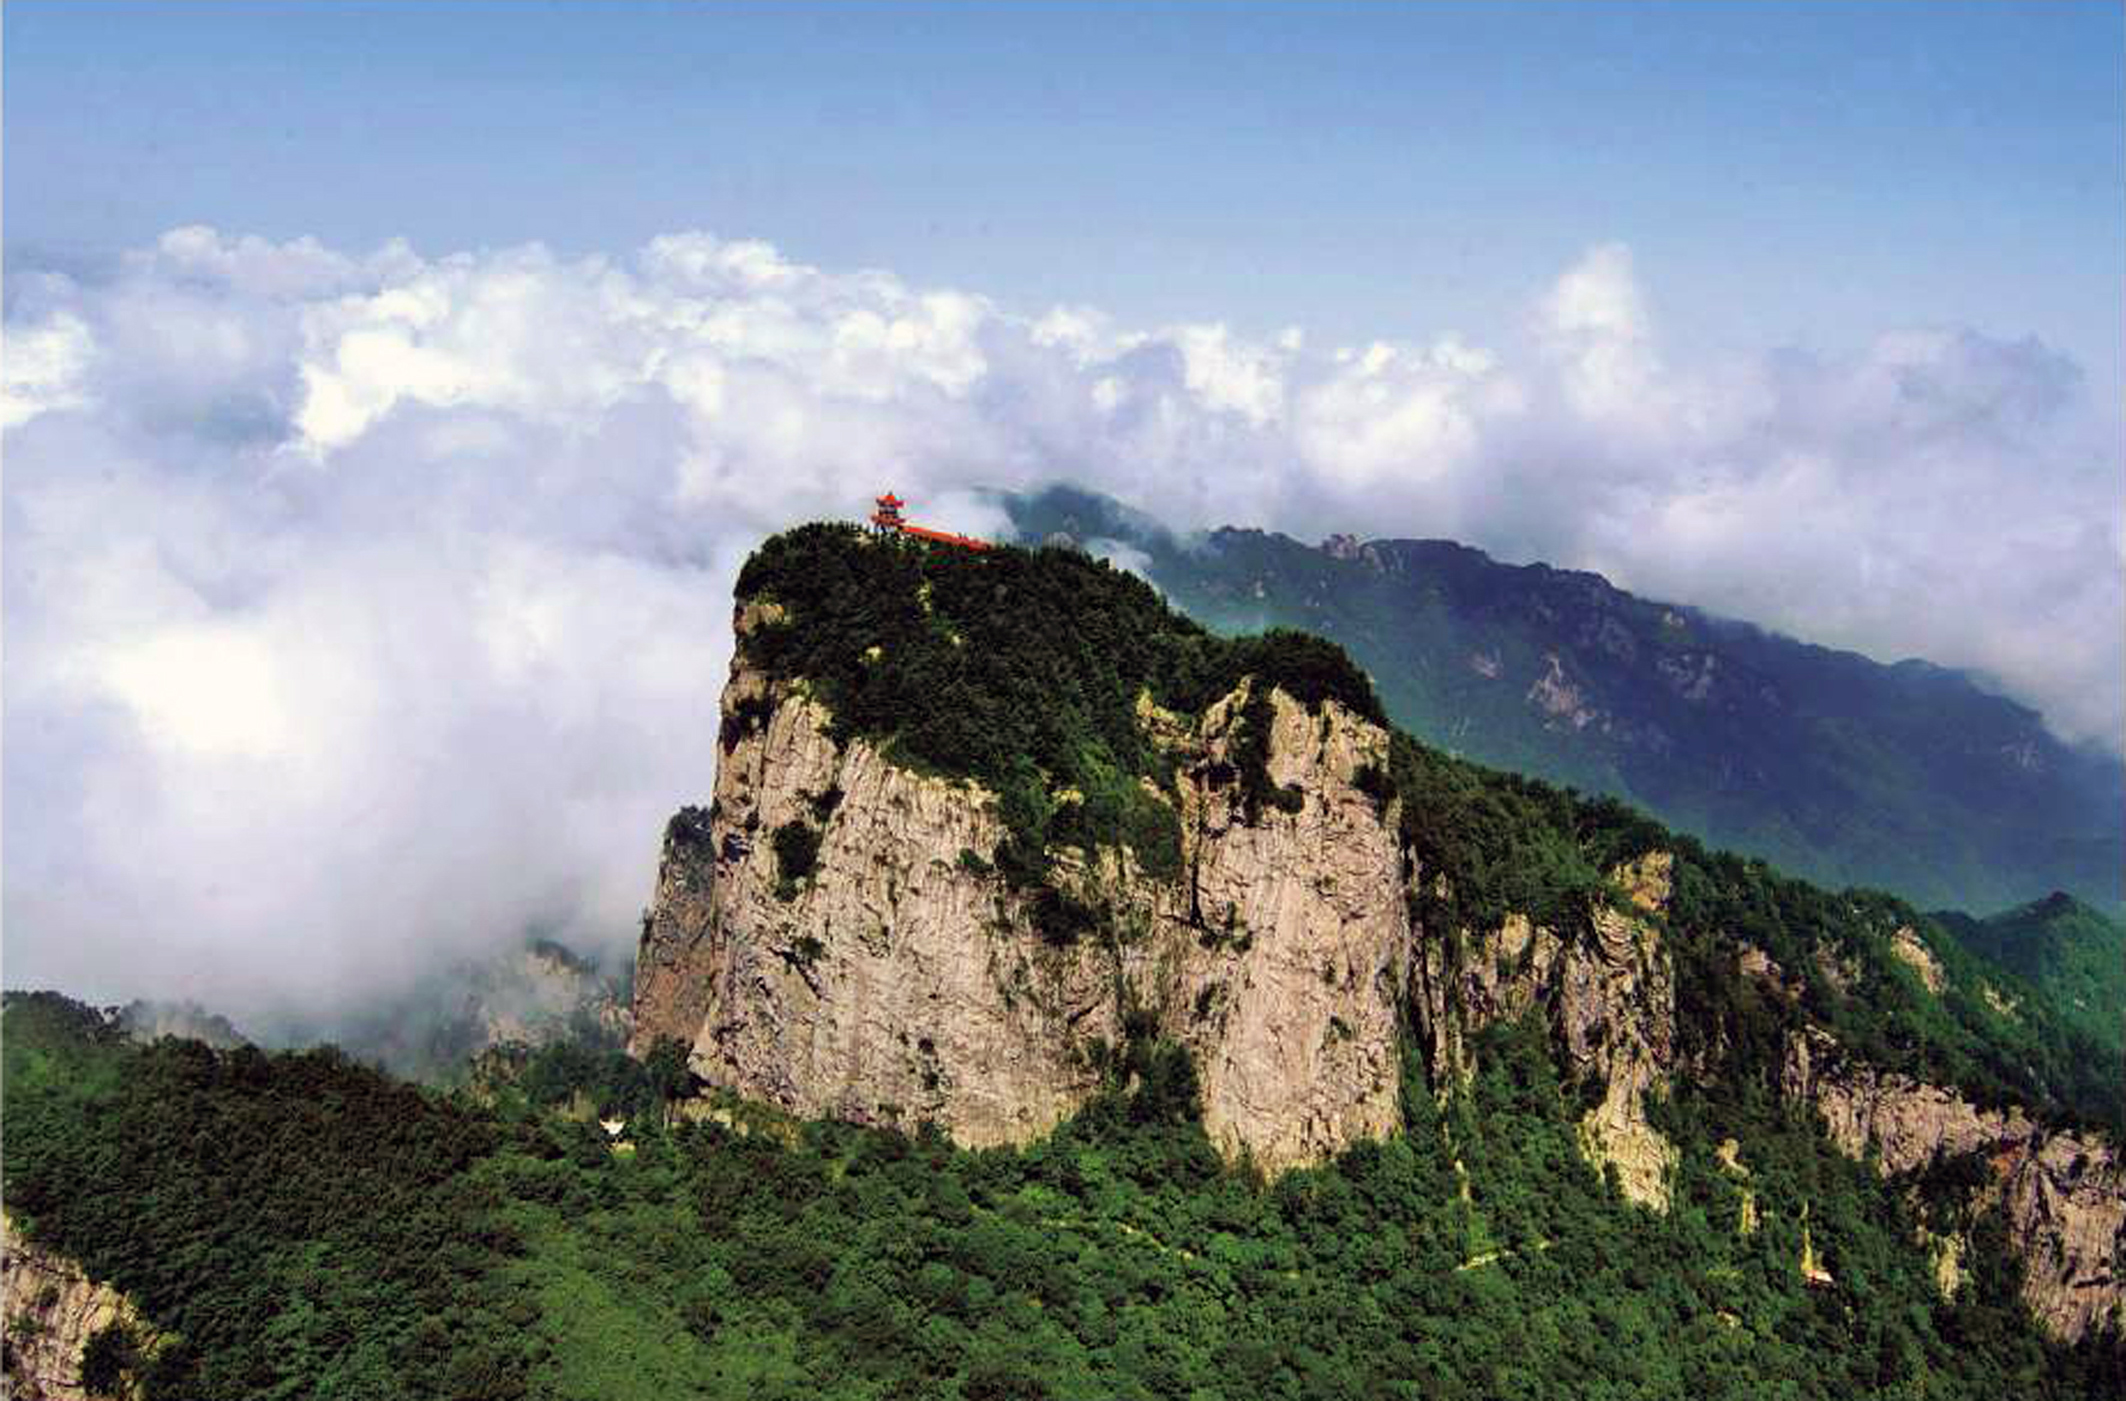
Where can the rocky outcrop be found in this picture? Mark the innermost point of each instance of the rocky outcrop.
(901, 980)
(1465, 982)
(1554, 694)
(2063, 1193)
(1609, 996)
(1281, 963)
(49, 1310)
(897, 984)
(1813, 1271)
(898, 979)
(1619, 1018)
(1912, 951)
(1757, 965)
(2065, 1196)
(540, 993)
(1908, 1122)
(1729, 1156)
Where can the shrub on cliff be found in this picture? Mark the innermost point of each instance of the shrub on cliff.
(796, 856)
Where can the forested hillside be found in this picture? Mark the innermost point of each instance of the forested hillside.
(307, 1228)
(2073, 955)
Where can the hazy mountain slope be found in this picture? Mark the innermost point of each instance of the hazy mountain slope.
(1905, 777)
(2074, 956)
(536, 992)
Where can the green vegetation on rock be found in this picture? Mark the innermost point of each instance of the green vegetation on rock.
(796, 854)
(1021, 670)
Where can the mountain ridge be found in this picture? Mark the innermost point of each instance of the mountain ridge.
(1907, 776)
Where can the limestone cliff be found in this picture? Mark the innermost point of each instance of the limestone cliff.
(1609, 995)
(2063, 1193)
(835, 935)
(51, 1310)
(902, 980)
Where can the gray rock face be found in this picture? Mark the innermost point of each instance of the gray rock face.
(1611, 998)
(2064, 1193)
(52, 1309)
(1619, 1010)
(902, 981)
(894, 985)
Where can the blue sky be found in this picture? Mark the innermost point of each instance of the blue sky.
(1792, 173)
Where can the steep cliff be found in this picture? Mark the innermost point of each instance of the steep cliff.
(2063, 1193)
(1610, 995)
(52, 1313)
(903, 979)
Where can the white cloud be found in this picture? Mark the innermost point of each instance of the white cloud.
(1392, 414)
(364, 610)
(1229, 374)
(1598, 297)
(1122, 555)
(44, 368)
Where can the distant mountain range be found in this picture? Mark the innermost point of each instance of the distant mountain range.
(1908, 777)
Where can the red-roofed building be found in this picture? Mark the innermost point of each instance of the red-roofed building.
(888, 518)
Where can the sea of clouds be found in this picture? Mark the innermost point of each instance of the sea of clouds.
(365, 611)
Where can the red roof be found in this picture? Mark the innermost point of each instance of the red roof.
(888, 517)
(945, 537)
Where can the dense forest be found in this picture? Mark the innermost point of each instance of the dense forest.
(303, 1227)
(296, 1224)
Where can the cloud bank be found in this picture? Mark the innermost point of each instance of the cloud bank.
(367, 611)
